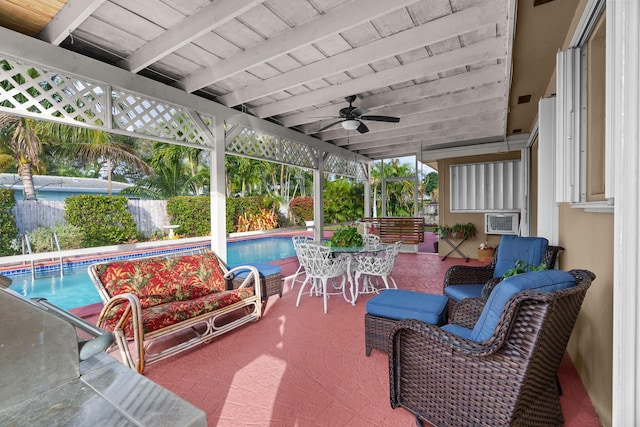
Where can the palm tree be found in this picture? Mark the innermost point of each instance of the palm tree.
(89, 145)
(25, 147)
(177, 172)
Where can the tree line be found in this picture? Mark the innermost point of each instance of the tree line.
(159, 170)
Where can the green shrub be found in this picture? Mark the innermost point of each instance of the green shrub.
(69, 237)
(104, 220)
(192, 214)
(8, 227)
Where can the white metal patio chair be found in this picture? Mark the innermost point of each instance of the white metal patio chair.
(320, 265)
(296, 241)
(370, 241)
(376, 265)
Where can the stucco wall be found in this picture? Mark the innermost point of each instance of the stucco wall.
(588, 242)
(449, 218)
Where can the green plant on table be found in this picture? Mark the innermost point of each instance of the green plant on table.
(346, 236)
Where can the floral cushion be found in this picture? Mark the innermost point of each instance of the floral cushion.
(167, 314)
(164, 280)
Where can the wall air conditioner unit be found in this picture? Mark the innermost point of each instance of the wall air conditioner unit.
(501, 223)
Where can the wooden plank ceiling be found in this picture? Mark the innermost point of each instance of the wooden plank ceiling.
(443, 67)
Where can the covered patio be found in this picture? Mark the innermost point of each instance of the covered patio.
(300, 367)
(462, 76)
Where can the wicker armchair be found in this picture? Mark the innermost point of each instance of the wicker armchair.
(481, 280)
(447, 376)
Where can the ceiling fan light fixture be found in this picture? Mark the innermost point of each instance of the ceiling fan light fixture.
(350, 124)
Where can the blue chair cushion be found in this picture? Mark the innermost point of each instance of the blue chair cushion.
(458, 292)
(263, 268)
(547, 280)
(515, 248)
(401, 304)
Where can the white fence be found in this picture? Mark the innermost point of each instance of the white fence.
(149, 215)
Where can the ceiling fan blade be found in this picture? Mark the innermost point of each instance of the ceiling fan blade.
(357, 111)
(328, 126)
(388, 119)
(362, 128)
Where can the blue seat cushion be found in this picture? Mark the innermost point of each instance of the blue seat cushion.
(263, 268)
(458, 292)
(547, 280)
(516, 248)
(401, 304)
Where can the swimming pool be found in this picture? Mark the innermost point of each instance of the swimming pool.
(75, 289)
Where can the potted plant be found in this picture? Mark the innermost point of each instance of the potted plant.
(485, 252)
(463, 231)
(345, 237)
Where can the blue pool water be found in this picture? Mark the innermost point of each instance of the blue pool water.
(74, 288)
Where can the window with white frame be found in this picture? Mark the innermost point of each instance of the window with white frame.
(582, 160)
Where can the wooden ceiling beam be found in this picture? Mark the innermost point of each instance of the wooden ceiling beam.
(472, 79)
(430, 110)
(339, 19)
(74, 13)
(206, 19)
(479, 52)
(432, 32)
(428, 130)
(417, 145)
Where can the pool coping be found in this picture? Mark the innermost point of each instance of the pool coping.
(50, 261)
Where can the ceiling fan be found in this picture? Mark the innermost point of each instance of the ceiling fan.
(352, 117)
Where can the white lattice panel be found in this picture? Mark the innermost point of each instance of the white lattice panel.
(302, 155)
(258, 145)
(37, 92)
(342, 166)
(150, 117)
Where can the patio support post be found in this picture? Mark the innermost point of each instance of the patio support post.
(367, 191)
(623, 134)
(218, 207)
(318, 200)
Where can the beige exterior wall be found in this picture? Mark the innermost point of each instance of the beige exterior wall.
(446, 217)
(588, 242)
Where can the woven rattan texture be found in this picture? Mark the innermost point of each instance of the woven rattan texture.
(271, 285)
(508, 380)
(473, 275)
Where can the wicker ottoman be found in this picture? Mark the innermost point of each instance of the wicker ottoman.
(270, 279)
(391, 306)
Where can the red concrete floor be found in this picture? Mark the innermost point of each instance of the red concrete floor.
(300, 367)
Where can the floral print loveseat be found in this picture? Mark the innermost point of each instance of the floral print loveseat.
(148, 299)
